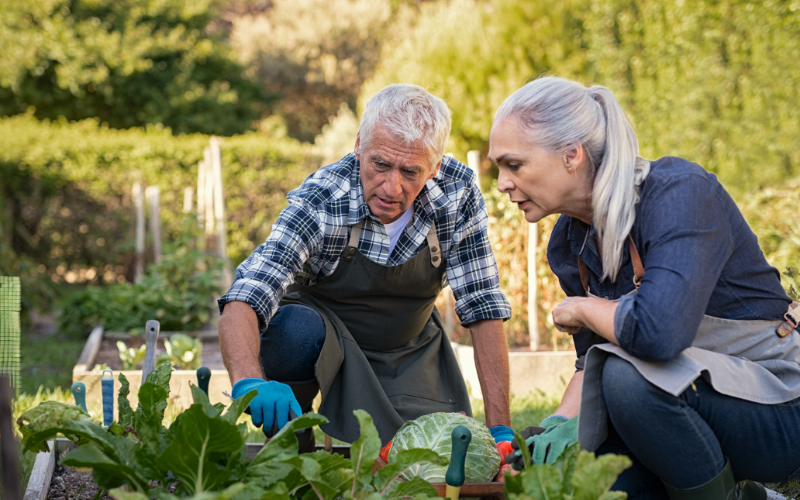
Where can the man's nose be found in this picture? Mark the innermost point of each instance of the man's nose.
(393, 185)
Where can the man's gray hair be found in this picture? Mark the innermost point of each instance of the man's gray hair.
(561, 114)
(412, 115)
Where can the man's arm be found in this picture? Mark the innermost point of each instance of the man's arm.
(239, 341)
(491, 361)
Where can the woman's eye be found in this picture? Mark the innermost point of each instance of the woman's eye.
(513, 167)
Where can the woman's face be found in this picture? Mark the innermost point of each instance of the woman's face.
(539, 182)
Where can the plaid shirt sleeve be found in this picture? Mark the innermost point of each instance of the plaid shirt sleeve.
(471, 266)
(262, 279)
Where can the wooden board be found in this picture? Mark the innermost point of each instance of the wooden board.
(42, 473)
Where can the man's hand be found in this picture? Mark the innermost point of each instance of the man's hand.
(272, 407)
(491, 362)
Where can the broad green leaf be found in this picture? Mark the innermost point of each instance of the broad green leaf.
(254, 492)
(542, 482)
(523, 447)
(567, 461)
(152, 405)
(416, 488)
(613, 495)
(124, 406)
(107, 472)
(400, 462)
(306, 466)
(365, 450)
(160, 376)
(120, 494)
(594, 476)
(45, 421)
(284, 444)
(238, 406)
(200, 397)
(197, 443)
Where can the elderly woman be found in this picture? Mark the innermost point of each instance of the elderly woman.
(688, 349)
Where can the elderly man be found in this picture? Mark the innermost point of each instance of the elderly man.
(340, 298)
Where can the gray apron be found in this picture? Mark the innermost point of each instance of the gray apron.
(752, 360)
(385, 350)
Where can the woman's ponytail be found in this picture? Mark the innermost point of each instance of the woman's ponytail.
(619, 174)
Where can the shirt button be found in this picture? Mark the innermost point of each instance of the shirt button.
(383, 238)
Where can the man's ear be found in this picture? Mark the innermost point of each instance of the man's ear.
(435, 170)
(357, 146)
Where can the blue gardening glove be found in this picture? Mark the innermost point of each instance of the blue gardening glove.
(547, 441)
(272, 407)
(501, 433)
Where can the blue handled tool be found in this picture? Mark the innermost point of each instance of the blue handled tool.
(79, 393)
(107, 383)
(203, 378)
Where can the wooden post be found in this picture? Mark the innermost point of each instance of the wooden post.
(188, 194)
(138, 202)
(474, 162)
(219, 211)
(201, 195)
(533, 317)
(209, 191)
(153, 194)
(8, 446)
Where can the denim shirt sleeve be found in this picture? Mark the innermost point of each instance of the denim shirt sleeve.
(684, 236)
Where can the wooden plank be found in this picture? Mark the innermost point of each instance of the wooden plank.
(42, 474)
(90, 349)
(200, 334)
(482, 490)
(138, 203)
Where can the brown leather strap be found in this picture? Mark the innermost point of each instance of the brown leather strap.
(355, 235)
(638, 268)
(792, 318)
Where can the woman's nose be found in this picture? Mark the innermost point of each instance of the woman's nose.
(504, 183)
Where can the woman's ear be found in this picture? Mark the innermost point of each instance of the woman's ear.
(574, 158)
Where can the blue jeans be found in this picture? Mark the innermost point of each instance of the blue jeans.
(684, 440)
(291, 346)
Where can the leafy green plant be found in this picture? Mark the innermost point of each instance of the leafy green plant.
(575, 475)
(130, 357)
(183, 352)
(203, 454)
(179, 292)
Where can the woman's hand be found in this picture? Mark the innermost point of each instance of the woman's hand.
(567, 315)
(593, 313)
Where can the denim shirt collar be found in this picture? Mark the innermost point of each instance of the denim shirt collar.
(429, 200)
(590, 252)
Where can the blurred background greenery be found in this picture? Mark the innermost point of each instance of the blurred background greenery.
(98, 94)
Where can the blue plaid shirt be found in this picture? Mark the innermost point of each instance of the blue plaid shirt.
(310, 234)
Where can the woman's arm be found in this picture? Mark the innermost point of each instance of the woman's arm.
(571, 402)
(590, 312)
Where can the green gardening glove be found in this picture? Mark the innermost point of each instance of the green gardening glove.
(558, 435)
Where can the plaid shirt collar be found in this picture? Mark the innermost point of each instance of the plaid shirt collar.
(429, 200)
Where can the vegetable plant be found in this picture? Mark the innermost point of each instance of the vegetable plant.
(575, 475)
(130, 356)
(202, 455)
(793, 281)
(183, 352)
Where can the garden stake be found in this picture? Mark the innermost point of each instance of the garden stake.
(203, 378)
(151, 328)
(107, 384)
(454, 478)
(8, 446)
(79, 393)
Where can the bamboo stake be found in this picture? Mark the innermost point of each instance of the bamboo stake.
(219, 211)
(201, 195)
(533, 317)
(188, 194)
(153, 194)
(138, 202)
(209, 190)
(474, 162)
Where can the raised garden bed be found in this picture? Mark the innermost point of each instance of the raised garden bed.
(101, 348)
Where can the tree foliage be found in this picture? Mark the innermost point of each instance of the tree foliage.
(128, 63)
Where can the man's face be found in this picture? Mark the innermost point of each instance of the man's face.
(392, 174)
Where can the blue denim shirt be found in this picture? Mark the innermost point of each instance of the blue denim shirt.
(700, 257)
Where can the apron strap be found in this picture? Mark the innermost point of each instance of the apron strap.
(435, 247)
(792, 318)
(355, 235)
(638, 268)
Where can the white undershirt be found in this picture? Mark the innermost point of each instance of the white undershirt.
(395, 229)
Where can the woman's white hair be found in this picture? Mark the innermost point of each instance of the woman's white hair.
(561, 114)
(411, 114)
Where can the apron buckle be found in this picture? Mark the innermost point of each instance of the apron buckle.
(792, 318)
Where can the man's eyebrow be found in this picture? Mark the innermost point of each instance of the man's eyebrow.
(377, 158)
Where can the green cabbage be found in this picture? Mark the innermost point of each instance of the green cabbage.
(432, 432)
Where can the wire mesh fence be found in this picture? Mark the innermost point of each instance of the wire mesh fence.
(10, 327)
